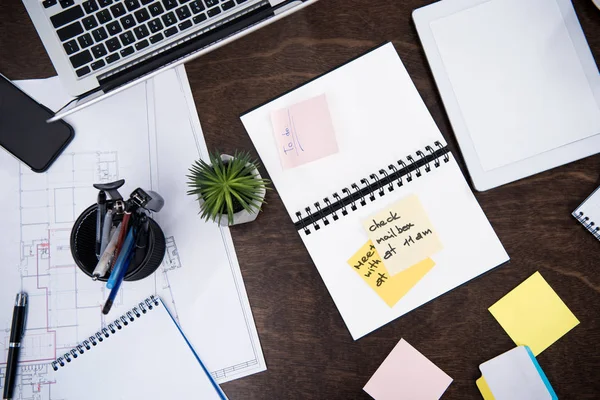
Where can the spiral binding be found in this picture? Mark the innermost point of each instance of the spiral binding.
(110, 329)
(368, 188)
(589, 225)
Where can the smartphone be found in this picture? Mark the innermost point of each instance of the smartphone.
(24, 131)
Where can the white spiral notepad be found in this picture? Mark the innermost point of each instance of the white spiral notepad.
(141, 355)
(388, 150)
(588, 213)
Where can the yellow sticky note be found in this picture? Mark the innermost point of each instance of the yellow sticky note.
(367, 263)
(403, 234)
(533, 315)
(486, 393)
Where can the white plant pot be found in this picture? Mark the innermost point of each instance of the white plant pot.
(243, 216)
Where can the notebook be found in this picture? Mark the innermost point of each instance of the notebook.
(588, 213)
(140, 355)
(514, 375)
(519, 83)
(387, 151)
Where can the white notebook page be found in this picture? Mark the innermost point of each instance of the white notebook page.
(147, 359)
(379, 118)
(374, 127)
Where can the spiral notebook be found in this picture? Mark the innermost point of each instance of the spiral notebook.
(140, 355)
(588, 213)
(387, 153)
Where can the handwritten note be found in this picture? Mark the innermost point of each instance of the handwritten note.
(406, 374)
(403, 234)
(304, 132)
(367, 263)
(533, 315)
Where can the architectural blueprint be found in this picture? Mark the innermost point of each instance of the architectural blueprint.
(148, 135)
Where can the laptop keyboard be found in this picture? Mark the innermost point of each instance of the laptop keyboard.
(97, 33)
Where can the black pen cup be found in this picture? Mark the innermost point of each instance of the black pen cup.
(83, 247)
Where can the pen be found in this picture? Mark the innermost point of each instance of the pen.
(123, 234)
(104, 263)
(106, 231)
(120, 263)
(16, 336)
(141, 240)
(100, 213)
(115, 289)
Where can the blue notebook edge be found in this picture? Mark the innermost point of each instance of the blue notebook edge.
(212, 380)
(542, 374)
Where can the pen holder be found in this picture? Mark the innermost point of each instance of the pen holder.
(83, 247)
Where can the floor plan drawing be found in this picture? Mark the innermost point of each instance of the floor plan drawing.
(150, 139)
(49, 205)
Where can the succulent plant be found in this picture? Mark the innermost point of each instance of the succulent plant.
(226, 187)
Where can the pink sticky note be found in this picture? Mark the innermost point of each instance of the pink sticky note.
(304, 132)
(407, 374)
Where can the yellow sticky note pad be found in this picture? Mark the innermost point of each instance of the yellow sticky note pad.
(403, 234)
(533, 315)
(367, 263)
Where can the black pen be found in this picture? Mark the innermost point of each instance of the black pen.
(16, 336)
(141, 242)
(100, 214)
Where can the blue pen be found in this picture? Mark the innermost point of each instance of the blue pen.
(120, 263)
(113, 293)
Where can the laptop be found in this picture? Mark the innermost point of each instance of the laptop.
(102, 47)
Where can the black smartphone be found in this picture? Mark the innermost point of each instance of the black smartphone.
(24, 131)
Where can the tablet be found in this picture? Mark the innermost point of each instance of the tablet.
(519, 83)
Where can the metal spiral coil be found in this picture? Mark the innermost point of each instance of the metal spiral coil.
(320, 212)
(110, 329)
(376, 179)
(394, 170)
(338, 199)
(386, 176)
(376, 185)
(328, 204)
(587, 224)
(446, 156)
(362, 199)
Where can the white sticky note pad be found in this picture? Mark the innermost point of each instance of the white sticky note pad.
(517, 78)
(516, 375)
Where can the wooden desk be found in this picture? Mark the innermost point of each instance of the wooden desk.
(309, 352)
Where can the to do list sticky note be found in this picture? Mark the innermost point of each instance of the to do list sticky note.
(367, 263)
(533, 315)
(304, 132)
(403, 234)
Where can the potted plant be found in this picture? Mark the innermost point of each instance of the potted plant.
(229, 189)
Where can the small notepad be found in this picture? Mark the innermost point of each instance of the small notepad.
(140, 355)
(514, 375)
(588, 213)
(407, 374)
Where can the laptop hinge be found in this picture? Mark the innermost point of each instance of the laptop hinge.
(186, 48)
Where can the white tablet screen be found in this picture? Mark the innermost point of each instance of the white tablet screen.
(517, 78)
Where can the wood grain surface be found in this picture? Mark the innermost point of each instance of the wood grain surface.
(309, 352)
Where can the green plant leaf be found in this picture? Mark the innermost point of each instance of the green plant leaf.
(226, 187)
